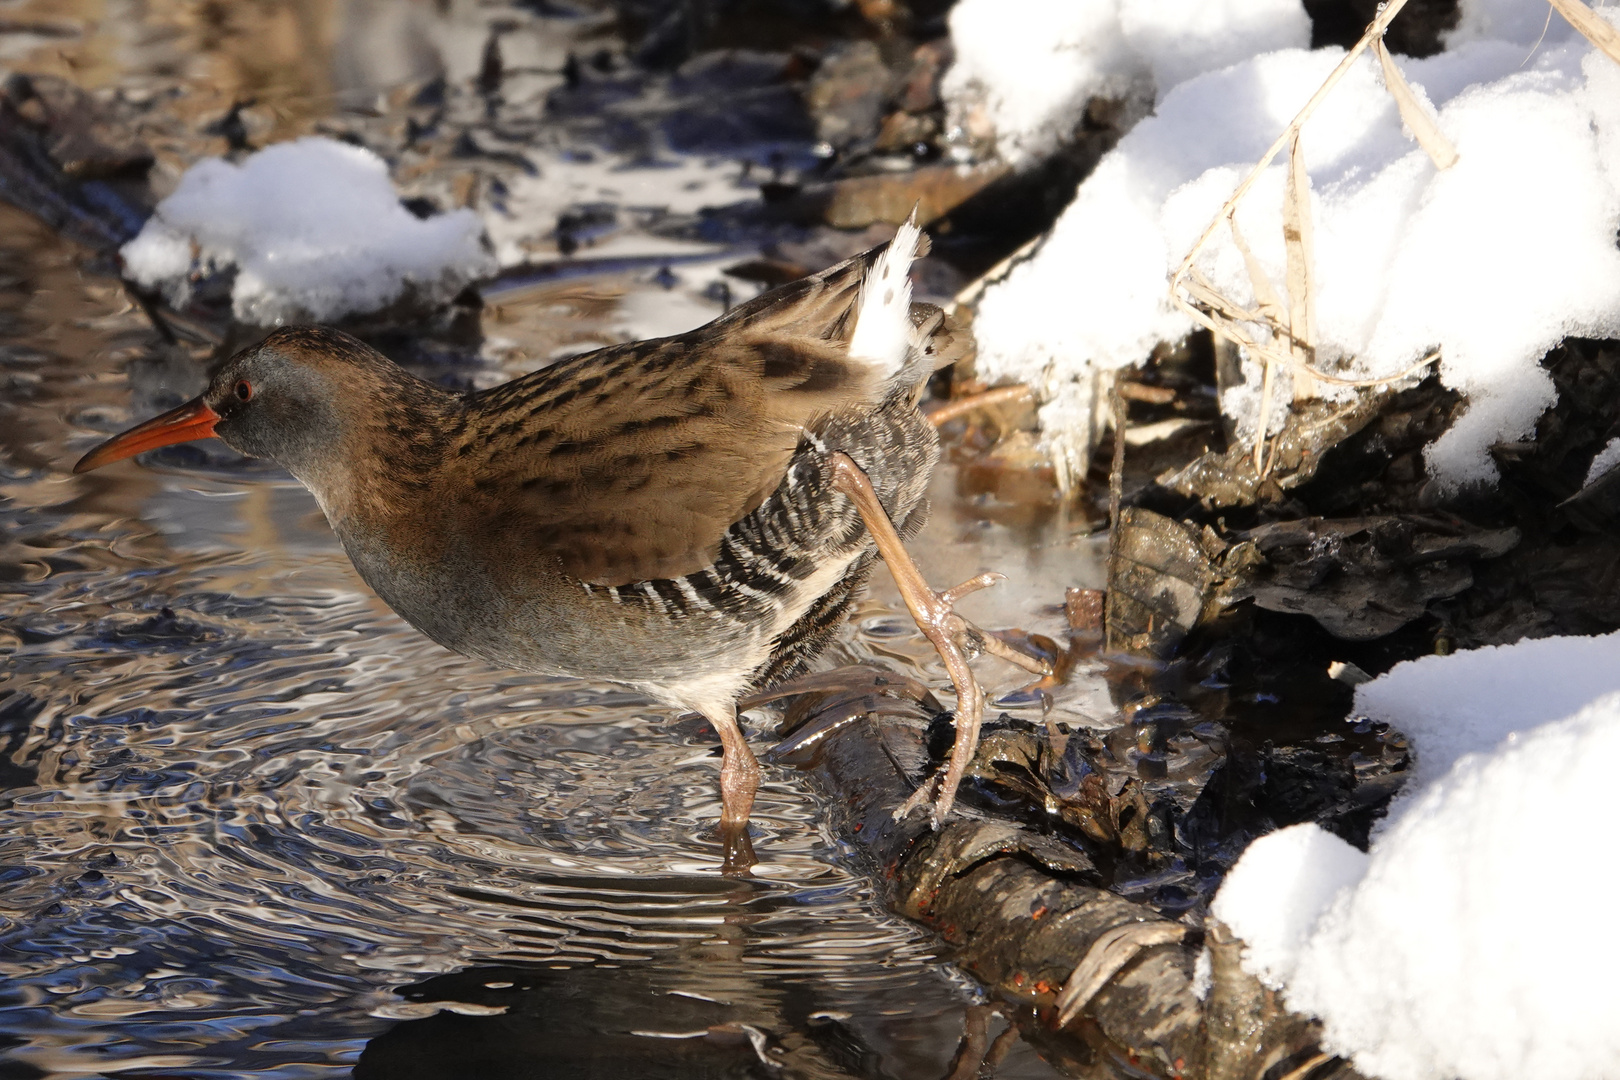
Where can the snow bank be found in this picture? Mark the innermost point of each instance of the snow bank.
(315, 231)
(1450, 706)
(1455, 947)
(1494, 260)
(1028, 67)
(1287, 879)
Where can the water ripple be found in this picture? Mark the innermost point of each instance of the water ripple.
(241, 804)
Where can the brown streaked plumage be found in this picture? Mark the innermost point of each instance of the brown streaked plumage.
(689, 516)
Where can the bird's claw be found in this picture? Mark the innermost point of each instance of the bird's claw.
(924, 797)
(950, 596)
(956, 639)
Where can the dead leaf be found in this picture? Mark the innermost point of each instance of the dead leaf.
(1297, 240)
(1265, 295)
(1423, 127)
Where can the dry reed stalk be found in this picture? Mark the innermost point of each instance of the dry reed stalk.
(1310, 1065)
(1265, 296)
(1297, 242)
(1222, 316)
(984, 399)
(1272, 312)
(1594, 27)
(1262, 463)
(1116, 470)
(1376, 30)
(969, 296)
(1234, 314)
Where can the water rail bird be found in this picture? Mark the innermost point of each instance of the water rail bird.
(691, 516)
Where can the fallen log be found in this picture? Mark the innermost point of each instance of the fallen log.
(1099, 983)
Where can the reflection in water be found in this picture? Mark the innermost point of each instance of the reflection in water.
(499, 1022)
(243, 802)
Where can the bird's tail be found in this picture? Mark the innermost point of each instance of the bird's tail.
(862, 306)
(884, 332)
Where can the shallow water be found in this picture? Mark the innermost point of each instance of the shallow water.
(253, 825)
(244, 803)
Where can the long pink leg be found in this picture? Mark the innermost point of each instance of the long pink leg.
(739, 780)
(939, 623)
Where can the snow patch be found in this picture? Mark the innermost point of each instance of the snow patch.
(1494, 261)
(1278, 891)
(1451, 948)
(1451, 706)
(315, 231)
(1522, 24)
(1028, 67)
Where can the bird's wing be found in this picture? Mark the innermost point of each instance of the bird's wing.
(628, 464)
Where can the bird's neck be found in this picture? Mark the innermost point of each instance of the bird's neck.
(391, 455)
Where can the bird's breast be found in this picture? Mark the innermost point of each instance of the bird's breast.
(424, 570)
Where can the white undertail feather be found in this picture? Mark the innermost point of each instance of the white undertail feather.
(883, 328)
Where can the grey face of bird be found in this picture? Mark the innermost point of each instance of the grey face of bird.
(285, 408)
(298, 407)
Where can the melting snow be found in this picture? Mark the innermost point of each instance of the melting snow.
(1605, 459)
(315, 231)
(1494, 260)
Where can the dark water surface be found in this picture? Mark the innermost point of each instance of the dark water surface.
(243, 803)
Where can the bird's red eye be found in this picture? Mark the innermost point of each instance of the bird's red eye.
(244, 390)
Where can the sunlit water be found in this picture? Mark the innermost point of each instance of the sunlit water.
(243, 802)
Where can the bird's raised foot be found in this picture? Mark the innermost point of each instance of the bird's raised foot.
(957, 640)
(940, 608)
(925, 796)
(935, 614)
(998, 646)
(952, 636)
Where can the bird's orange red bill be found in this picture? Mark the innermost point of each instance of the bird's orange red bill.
(193, 420)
